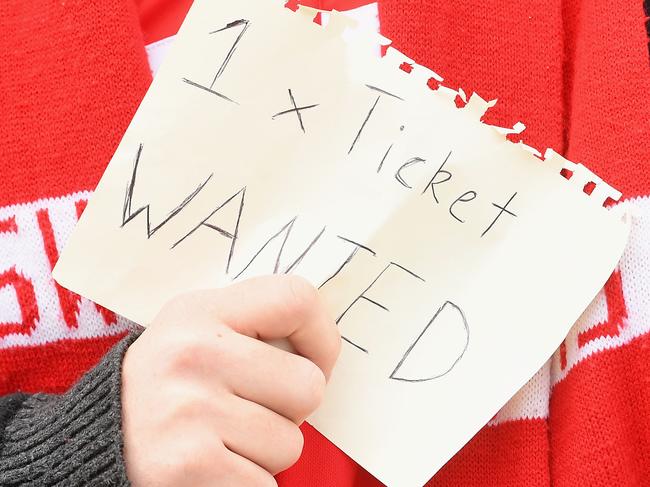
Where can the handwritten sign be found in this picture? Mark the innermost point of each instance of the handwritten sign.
(454, 260)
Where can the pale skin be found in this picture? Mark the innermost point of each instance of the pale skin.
(207, 402)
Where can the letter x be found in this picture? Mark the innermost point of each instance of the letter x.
(295, 109)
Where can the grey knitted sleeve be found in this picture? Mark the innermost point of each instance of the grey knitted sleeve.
(73, 439)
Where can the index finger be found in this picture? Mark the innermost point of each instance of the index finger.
(274, 307)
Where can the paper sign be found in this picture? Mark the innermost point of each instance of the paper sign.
(454, 260)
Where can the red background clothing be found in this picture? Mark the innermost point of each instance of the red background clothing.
(576, 72)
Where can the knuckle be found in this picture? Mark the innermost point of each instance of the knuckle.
(316, 387)
(293, 446)
(331, 344)
(189, 463)
(194, 459)
(190, 408)
(312, 388)
(183, 356)
(303, 297)
(184, 406)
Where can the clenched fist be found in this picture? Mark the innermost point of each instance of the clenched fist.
(206, 402)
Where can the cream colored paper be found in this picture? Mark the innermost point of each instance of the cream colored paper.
(449, 295)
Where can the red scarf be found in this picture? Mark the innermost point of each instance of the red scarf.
(575, 72)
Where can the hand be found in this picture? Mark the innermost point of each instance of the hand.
(206, 402)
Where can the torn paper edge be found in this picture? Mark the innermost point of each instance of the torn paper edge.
(577, 174)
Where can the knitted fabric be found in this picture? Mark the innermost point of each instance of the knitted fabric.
(73, 439)
(575, 72)
(71, 76)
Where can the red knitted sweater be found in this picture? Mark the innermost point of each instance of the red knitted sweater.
(577, 72)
